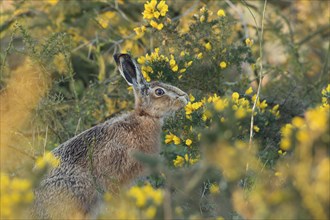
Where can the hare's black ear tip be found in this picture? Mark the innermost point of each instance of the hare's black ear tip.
(117, 56)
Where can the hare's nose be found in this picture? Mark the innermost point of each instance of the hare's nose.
(186, 97)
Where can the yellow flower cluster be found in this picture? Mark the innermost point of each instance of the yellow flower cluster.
(248, 42)
(221, 13)
(152, 10)
(146, 198)
(223, 64)
(305, 130)
(249, 91)
(104, 18)
(155, 56)
(241, 106)
(190, 107)
(60, 63)
(263, 105)
(47, 160)
(188, 142)
(208, 46)
(180, 161)
(53, 2)
(199, 56)
(203, 13)
(144, 194)
(275, 111)
(214, 189)
(326, 97)
(14, 193)
(173, 64)
(140, 31)
(172, 138)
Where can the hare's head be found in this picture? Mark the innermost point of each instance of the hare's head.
(155, 98)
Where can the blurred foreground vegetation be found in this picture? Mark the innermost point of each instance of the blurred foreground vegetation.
(58, 78)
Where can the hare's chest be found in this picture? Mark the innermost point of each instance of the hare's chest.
(148, 143)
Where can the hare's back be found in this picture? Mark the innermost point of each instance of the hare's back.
(76, 149)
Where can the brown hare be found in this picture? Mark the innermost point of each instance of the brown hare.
(100, 158)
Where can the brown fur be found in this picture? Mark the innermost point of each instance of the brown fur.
(100, 158)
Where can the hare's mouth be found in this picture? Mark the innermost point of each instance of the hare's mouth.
(181, 101)
(184, 98)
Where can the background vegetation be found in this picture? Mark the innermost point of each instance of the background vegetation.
(236, 59)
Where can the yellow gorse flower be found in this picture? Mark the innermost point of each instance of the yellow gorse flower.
(188, 142)
(14, 192)
(174, 67)
(202, 19)
(155, 56)
(190, 107)
(249, 91)
(220, 104)
(48, 159)
(199, 56)
(103, 19)
(144, 194)
(275, 111)
(152, 10)
(163, 8)
(172, 138)
(213, 98)
(191, 98)
(181, 160)
(53, 2)
(248, 42)
(326, 91)
(140, 31)
(304, 130)
(151, 212)
(208, 46)
(256, 128)
(326, 97)
(149, 9)
(60, 63)
(214, 189)
(154, 24)
(221, 13)
(223, 64)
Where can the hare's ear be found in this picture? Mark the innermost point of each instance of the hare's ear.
(130, 70)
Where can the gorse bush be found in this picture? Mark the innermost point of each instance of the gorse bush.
(58, 78)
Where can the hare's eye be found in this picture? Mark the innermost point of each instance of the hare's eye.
(159, 92)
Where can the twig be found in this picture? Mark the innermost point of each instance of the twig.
(206, 186)
(45, 142)
(122, 13)
(22, 152)
(77, 127)
(3, 63)
(260, 36)
(313, 34)
(84, 44)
